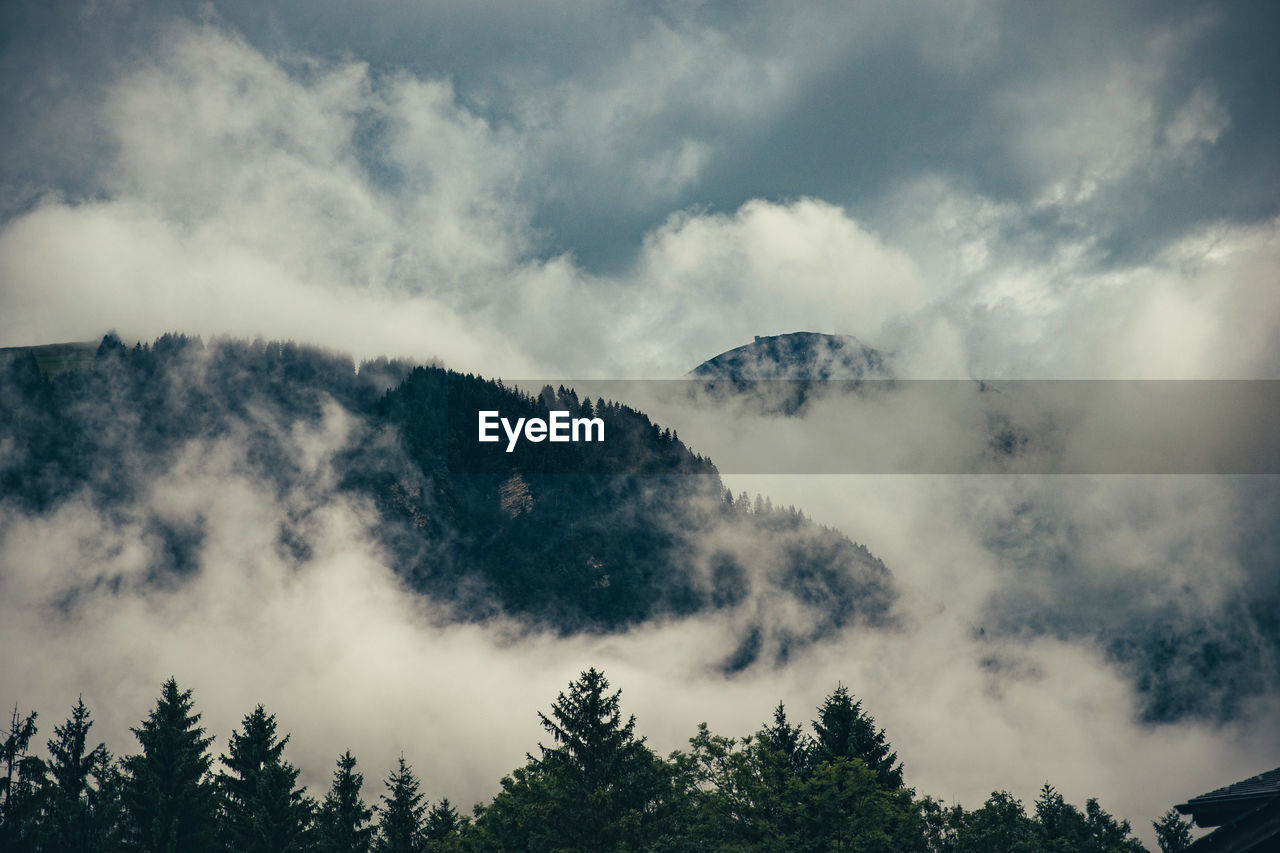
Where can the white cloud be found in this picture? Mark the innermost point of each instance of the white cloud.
(1026, 307)
(374, 213)
(73, 272)
(716, 279)
(237, 204)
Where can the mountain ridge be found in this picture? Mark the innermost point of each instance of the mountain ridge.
(797, 356)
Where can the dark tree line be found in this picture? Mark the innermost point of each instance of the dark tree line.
(168, 799)
(595, 786)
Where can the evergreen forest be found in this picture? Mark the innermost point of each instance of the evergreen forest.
(594, 784)
(569, 538)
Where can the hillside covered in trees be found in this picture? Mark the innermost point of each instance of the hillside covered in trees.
(594, 785)
(648, 531)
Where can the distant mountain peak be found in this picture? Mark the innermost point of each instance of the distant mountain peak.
(798, 356)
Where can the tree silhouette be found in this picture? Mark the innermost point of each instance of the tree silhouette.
(442, 827)
(171, 798)
(23, 785)
(842, 730)
(401, 813)
(597, 788)
(262, 811)
(69, 821)
(342, 823)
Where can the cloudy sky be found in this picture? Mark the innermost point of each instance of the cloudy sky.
(624, 189)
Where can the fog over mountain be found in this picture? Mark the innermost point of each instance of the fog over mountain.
(1196, 630)
(276, 525)
(291, 208)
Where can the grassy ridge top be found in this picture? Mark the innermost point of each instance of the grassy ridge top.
(54, 359)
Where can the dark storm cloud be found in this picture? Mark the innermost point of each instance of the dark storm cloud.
(1080, 191)
(1131, 125)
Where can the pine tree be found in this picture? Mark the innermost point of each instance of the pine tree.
(844, 731)
(262, 811)
(107, 809)
(789, 740)
(23, 785)
(777, 761)
(587, 726)
(597, 788)
(1062, 826)
(442, 826)
(342, 824)
(605, 780)
(401, 813)
(171, 799)
(75, 797)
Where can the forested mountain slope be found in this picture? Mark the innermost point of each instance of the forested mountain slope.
(798, 356)
(653, 533)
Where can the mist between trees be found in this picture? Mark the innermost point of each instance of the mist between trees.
(594, 785)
